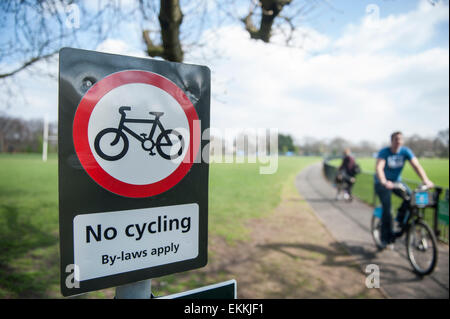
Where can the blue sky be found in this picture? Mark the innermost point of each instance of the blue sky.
(342, 12)
(358, 70)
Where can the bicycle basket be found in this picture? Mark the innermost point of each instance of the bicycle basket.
(422, 199)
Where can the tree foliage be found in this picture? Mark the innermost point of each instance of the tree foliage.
(285, 143)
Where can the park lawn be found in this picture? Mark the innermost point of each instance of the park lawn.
(28, 226)
(238, 193)
(29, 230)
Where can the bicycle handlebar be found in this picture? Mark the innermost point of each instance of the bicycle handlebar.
(403, 190)
(400, 186)
(420, 188)
(122, 109)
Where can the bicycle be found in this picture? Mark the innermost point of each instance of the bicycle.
(343, 184)
(421, 242)
(147, 142)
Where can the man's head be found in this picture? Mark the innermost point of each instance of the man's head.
(396, 140)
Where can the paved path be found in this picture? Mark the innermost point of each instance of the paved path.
(350, 223)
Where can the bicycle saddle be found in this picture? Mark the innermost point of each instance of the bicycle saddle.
(157, 114)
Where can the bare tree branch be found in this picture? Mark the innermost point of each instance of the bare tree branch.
(270, 10)
(152, 50)
(27, 64)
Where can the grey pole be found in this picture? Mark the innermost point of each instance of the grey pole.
(135, 290)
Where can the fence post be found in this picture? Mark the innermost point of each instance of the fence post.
(436, 212)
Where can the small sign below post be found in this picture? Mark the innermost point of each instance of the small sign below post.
(223, 290)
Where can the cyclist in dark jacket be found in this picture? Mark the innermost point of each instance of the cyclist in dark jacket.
(348, 163)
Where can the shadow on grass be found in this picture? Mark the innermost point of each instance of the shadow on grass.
(18, 237)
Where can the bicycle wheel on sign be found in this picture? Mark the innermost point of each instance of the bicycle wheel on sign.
(421, 247)
(111, 144)
(172, 146)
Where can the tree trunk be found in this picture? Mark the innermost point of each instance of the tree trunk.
(170, 19)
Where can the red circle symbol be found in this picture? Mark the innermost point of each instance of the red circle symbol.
(83, 149)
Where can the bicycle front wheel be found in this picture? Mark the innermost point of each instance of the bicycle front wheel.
(375, 229)
(111, 144)
(421, 247)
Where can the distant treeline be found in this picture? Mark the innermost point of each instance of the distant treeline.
(20, 135)
(437, 146)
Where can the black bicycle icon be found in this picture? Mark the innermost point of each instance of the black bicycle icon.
(164, 142)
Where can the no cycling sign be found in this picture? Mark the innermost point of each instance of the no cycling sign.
(133, 194)
(109, 143)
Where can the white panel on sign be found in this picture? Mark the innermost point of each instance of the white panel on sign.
(138, 166)
(117, 242)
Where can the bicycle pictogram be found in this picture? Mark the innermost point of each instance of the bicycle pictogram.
(166, 142)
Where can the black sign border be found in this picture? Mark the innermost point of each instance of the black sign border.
(79, 194)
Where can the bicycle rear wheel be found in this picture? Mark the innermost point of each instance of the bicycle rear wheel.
(172, 147)
(421, 247)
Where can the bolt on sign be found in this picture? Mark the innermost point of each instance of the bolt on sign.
(133, 186)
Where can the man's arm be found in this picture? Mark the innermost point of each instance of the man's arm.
(421, 172)
(379, 170)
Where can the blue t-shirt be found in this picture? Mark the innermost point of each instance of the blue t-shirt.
(394, 162)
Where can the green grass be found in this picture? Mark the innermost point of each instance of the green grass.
(238, 192)
(28, 225)
(29, 244)
(436, 168)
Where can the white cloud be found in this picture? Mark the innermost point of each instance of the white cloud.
(360, 87)
(118, 46)
(395, 32)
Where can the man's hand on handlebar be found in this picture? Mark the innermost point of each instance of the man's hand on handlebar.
(428, 183)
(389, 185)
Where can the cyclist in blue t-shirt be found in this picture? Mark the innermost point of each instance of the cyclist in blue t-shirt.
(388, 169)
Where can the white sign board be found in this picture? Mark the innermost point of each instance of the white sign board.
(116, 242)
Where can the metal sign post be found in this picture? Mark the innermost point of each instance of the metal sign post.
(45, 139)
